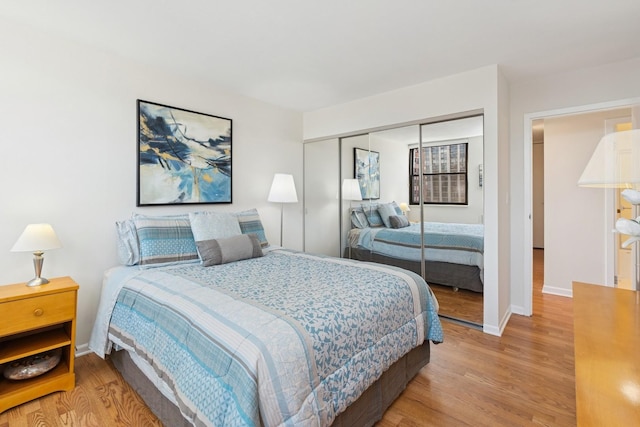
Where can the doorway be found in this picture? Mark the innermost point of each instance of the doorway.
(574, 259)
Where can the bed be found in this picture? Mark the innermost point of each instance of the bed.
(453, 252)
(279, 338)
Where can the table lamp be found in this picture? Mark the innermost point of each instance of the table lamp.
(37, 238)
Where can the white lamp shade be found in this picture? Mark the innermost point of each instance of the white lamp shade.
(283, 189)
(404, 207)
(615, 163)
(351, 189)
(37, 237)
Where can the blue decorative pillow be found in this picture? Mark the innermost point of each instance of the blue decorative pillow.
(358, 218)
(388, 209)
(250, 223)
(373, 216)
(165, 240)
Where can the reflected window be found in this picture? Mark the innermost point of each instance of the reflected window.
(444, 173)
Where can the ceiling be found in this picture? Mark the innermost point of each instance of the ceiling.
(305, 55)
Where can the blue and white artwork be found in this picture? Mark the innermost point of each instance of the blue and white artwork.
(367, 172)
(183, 156)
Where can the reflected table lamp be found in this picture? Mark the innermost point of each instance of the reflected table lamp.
(351, 190)
(37, 238)
(283, 190)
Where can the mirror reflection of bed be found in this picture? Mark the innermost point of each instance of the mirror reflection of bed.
(452, 212)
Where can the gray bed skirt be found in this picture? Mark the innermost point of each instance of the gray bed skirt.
(438, 273)
(365, 411)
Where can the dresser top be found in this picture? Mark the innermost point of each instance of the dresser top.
(21, 290)
(607, 355)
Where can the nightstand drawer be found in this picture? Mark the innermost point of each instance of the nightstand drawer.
(32, 313)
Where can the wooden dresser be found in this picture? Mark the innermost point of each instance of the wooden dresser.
(34, 320)
(607, 355)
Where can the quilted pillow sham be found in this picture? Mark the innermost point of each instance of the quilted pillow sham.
(127, 242)
(213, 225)
(165, 240)
(250, 223)
(235, 248)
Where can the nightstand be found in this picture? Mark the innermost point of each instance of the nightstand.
(35, 320)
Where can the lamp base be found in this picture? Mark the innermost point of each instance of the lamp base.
(37, 281)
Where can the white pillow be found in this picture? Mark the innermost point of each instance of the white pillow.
(213, 225)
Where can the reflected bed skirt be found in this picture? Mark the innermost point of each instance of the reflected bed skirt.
(440, 273)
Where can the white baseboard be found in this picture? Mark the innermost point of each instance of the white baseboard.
(492, 330)
(517, 309)
(563, 292)
(82, 349)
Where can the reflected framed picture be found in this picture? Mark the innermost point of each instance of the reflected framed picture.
(367, 172)
(184, 157)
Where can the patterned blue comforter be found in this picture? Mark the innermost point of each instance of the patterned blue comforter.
(443, 242)
(286, 339)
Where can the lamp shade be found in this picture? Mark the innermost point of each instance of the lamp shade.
(283, 189)
(615, 163)
(37, 237)
(404, 207)
(351, 189)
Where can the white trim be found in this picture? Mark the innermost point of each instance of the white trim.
(518, 309)
(528, 191)
(552, 290)
(492, 330)
(82, 349)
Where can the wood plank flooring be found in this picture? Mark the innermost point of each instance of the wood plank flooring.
(524, 378)
(462, 304)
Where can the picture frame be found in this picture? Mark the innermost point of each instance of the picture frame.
(184, 157)
(367, 172)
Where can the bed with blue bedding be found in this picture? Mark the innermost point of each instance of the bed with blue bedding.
(283, 339)
(453, 252)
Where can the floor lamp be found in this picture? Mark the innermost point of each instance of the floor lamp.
(350, 191)
(283, 190)
(615, 163)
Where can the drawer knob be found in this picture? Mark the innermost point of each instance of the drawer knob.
(38, 312)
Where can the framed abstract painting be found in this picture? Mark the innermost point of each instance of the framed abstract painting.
(367, 172)
(184, 157)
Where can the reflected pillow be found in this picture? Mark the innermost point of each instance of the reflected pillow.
(398, 221)
(358, 218)
(388, 209)
(222, 251)
(373, 216)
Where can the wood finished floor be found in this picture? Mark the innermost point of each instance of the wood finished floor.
(524, 378)
(462, 304)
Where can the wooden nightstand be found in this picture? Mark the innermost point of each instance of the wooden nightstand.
(34, 320)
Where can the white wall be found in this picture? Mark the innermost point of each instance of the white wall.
(465, 214)
(576, 235)
(483, 89)
(605, 84)
(68, 140)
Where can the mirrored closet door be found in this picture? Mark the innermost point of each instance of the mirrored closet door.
(409, 196)
(451, 160)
